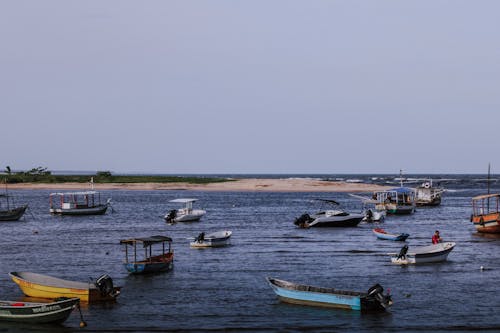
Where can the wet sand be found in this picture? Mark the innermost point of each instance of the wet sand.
(240, 185)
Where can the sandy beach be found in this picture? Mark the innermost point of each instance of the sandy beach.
(250, 184)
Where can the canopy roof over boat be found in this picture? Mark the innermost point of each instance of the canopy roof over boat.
(146, 241)
(75, 193)
(486, 196)
(402, 190)
(183, 200)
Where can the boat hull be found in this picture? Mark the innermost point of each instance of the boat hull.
(351, 220)
(13, 214)
(156, 264)
(392, 237)
(323, 297)
(97, 210)
(43, 286)
(488, 223)
(55, 312)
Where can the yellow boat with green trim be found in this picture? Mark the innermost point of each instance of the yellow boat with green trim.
(44, 286)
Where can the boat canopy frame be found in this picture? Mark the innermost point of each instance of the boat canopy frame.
(485, 204)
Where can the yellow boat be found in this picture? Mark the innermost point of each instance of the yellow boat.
(44, 286)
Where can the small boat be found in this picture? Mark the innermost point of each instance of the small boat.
(9, 211)
(214, 239)
(428, 195)
(186, 214)
(28, 312)
(486, 213)
(77, 203)
(329, 218)
(372, 301)
(371, 214)
(423, 254)
(398, 201)
(151, 263)
(44, 286)
(382, 234)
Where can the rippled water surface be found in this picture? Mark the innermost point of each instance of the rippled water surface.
(225, 288)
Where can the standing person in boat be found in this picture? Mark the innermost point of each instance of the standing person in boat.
(436, 238)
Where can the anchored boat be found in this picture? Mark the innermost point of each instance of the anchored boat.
(77, 203)
(29, 312)
(186, 214)
(422, 254)
(399, 200)
(44, 286)
(329, 218)
(428, 195)
(382, 234)
(150, 263)
(214, 239)
(373, 300)
(486, 214)
(9, 211)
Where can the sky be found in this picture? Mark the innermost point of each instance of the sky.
(250, 86)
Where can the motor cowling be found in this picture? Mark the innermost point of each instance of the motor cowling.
(302, 220)
(105, 285)
(171, 216)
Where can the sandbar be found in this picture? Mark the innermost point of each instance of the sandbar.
(239, 185)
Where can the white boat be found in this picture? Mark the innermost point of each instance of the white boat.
(428, 195)
(329, 218)
(77, 203)
(214, 239)
(186, 214)
(422, 254)
(371, 214)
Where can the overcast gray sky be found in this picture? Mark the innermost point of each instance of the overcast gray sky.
(251, 86)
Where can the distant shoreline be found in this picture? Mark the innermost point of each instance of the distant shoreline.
(237, 185)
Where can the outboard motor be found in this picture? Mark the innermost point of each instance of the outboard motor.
(369, 215)
(105, 285)
(377, 292)
(402, 252)
(200, 237)
(302, 220)
(171, 216)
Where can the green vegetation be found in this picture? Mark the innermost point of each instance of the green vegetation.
(42, 175)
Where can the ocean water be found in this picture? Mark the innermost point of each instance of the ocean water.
(225, 288)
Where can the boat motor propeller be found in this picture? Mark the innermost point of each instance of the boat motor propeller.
(108, 203)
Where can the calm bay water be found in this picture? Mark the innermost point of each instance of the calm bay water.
(225, 288)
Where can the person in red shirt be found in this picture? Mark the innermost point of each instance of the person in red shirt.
(436, 238)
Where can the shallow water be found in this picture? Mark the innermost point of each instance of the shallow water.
(225, 288)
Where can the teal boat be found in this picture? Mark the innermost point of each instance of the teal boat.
(372, 301)
(149, 263)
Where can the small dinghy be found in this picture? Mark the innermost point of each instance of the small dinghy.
(372, 301)
(422, 254)
(214, 239)
(382, 234)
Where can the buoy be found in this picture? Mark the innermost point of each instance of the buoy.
(481, 268)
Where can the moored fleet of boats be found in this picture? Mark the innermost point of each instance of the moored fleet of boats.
(154, 254)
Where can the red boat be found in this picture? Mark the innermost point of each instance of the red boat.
(486, 213)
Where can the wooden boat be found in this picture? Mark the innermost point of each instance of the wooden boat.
(77, 203)
(28, 312)
(151, 263)
(44, 286)
(428, 195)
(214, 239)
(423, 254)
(486, 214)
(373, 300)
(382, 234)
(9, 211)
(399, 200)
(329, 218)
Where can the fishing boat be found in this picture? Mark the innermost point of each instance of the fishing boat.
(214, 239)
(186, 214)
(77, 203)
(9, 211)
(150, 263)
(486, 214)
(372, 301)
(329, 218)
(422, 254)
(428, 195)
(30, 312)
(399, 200)
(44, 286)
(382, 234)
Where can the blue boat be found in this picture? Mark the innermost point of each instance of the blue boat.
(372, 301)
(382, 234)
(151, 263)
